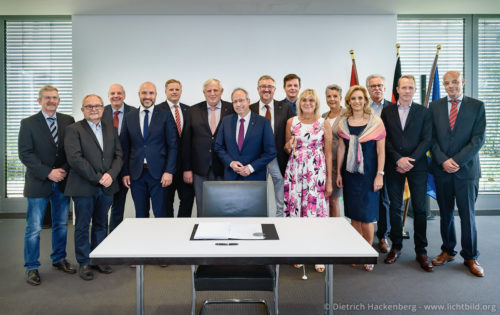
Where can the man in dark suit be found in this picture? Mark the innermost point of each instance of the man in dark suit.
(245, 142)
(200, 132)
(409, 136)
(459, 124)
(41, 150)
(278, 113)
(95, 156)
(185, 191)
(375, 84)
(291, 85)
(113, 115)
(149, 144)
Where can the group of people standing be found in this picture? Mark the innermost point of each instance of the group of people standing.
(364, 152)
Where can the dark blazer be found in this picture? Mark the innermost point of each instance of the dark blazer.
(258, 147)
(413, 141)
(107, 115)
(184, 108)
(463, 143)
(198, 142)
(88, 161)
(40, 154)
(159, 148)
(282, 112)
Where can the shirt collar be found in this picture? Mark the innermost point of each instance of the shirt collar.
(218, 106)
(460, 98)
(271, 105)
(150, 108)
(47, 116)
(118, 110)
(246, 117)
(94, 126)
(401, 106)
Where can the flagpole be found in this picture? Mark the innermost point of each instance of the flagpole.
(354, 68)
(431, 79)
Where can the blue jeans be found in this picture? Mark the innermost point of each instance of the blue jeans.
(94, 208)
(36, 210)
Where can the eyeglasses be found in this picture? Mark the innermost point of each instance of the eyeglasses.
(376, 86)
(93, 107)
(266, 87)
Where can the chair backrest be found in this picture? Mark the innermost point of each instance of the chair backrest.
(234, 199)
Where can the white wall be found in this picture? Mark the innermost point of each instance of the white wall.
(236, 49)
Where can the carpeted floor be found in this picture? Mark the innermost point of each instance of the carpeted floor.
(402, 288)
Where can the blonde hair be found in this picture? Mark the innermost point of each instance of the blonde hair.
(46, 88)
(367, 109)
(211, 81)
(173, 81)
(303, 95)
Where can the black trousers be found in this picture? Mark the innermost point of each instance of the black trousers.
(186, 197)
(417, 181)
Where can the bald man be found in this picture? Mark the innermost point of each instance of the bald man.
(149, 144)
(113, 115)
(459, 124)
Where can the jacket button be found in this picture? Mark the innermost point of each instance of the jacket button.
(209, 150)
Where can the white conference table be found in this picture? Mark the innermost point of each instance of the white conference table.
(157, 241)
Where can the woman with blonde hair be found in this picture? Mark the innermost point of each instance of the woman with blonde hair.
(360, 162)
(308, 181)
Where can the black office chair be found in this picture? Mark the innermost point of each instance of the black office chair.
(235, 199)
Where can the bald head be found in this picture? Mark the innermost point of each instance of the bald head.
(147, 94)
(453, 84)
(116, 95)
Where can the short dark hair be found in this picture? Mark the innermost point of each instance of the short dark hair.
(289, 77)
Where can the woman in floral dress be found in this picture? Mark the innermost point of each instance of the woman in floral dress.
(308, 181)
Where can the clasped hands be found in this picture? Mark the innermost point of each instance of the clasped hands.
(240, 169)
(450, 166)
(404, 164)
(166, 180)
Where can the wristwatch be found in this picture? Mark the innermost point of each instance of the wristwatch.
(381, 173)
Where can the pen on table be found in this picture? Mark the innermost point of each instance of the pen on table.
(226, 244)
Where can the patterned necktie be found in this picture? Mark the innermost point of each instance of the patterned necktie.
(241, 134)
(116, 120)
(268, 113)
(178, 119)
(453, 113)
(53, 128)
(145, 128)
(213, 125)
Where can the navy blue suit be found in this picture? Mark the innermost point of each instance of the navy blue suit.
(462, 145)
(258, 147)
(160, 151)
(118, 205)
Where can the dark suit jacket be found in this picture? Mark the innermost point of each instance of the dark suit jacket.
(413, 141)
(184, 108)
(39, 153)
(198, 142)
(88, 161)
(159, 148)
(463, 143)
(282, 111)
(107, 115)
(258, 147)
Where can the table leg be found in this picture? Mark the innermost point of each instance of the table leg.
(329, 290)
(140, 289)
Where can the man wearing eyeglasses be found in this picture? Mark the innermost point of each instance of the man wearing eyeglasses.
(376, 88)
(278, 113)
(41, 150)
(95, 155)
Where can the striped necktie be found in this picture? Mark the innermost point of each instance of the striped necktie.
(53, 128)
(178, 119)
(453, 113)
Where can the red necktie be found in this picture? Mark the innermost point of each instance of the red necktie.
(178, 119)
(213, 125)
(453, 113)
(116, 121)
(268, 113)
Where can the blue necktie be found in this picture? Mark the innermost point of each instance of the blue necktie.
(146, 124)
(53, 129)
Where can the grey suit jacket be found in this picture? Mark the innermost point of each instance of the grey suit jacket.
(88, 161)
(463, 143)
(40, 154)
(282, 112)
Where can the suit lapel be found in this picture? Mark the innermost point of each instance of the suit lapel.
(409, 119)
(45, 127)
(395, 114)
(250, 130)
(461, 115)
(87, 128)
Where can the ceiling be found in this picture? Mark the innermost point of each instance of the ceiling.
(209, 7)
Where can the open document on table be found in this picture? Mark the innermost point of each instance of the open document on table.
(229, 231)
